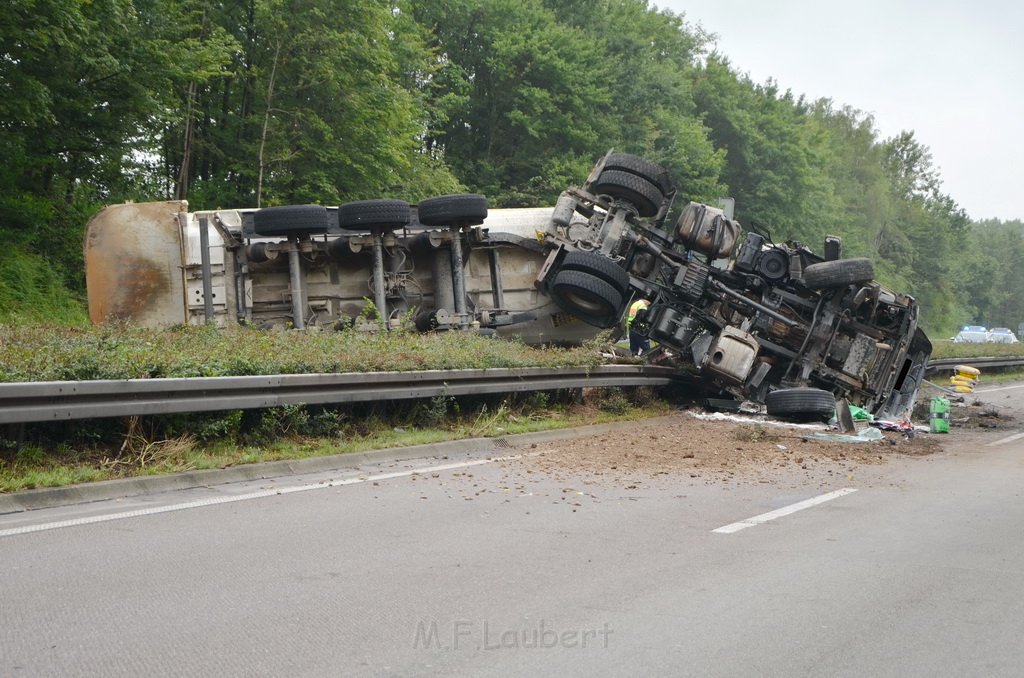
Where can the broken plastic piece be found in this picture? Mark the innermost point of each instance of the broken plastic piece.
(860, 413)
(868, 435)
(901, 426)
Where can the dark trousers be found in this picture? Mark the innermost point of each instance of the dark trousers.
(638, 343)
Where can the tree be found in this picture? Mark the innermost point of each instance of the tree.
(930, 229)
(318, 106)
(989, 273)
(74, 92)
(853, 160)
(519, 97)
(774, 155)
(651, 57)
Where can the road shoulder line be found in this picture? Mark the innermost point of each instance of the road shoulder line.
(29, 500)
(259, 494)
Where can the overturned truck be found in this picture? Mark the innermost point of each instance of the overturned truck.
(741, 316)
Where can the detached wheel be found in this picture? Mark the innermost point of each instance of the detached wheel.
(599, 267)
(656, 174)
(290, 220)
(800, 404)
(363, 214)
(460, 209)
(587, 297)
(838, 273)
(644, 195)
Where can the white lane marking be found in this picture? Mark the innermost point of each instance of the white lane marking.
(998, 388)
(784, 511)
(250, 495)
(1007, 439)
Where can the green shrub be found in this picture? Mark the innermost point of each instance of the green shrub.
(325, 422)
(30, 454)
(612, 400)
(52, 353)
(32, 291)
(431, 412)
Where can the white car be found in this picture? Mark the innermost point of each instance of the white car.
(1001, 335)
(971, 334)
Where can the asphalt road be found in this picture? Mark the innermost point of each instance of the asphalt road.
(486, 568)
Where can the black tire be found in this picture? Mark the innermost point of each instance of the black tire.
(838, 273)
(460, 209)
(800, 404)
(599, 267)
(644, 195)
(587, 297)
(363, 214)
(656, 174)
(291, 220)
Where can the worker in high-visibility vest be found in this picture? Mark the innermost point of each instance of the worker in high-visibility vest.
(636, 327)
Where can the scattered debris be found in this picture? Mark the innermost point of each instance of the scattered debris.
(754, 419)
(868, 435)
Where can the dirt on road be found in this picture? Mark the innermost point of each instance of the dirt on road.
(758, 449)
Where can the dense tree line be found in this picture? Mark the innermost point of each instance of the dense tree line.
(231, 103)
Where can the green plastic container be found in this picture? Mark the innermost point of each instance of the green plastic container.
(938, 418)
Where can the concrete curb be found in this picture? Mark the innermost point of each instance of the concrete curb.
(31, 500)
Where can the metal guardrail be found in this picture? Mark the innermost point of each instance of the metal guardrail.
(64, 400)
(981, 363)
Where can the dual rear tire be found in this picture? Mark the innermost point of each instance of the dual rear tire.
(590, 287)
(634, 180)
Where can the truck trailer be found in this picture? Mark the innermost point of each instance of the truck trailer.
(738, 315)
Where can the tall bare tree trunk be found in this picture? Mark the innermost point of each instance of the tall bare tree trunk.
(186, 153)
(266, 123)
(184, 172)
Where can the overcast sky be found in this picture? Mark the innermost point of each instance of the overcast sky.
(950, 70)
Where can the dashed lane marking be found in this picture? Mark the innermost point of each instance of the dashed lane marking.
(1007, 439)
(784, 511)
(997, 388)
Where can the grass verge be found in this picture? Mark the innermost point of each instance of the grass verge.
(947, 349)
(140, 453)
